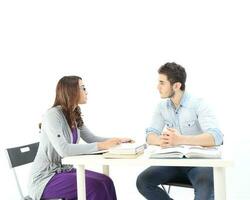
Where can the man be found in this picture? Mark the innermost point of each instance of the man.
(180, 119)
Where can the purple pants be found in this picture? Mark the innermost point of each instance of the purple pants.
(63, 185)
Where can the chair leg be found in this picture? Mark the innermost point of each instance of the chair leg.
(169, 189)
(163, 187)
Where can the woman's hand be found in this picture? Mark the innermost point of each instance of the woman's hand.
(126, 140)
(108, 143)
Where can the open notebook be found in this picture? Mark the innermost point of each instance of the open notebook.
(187, 151)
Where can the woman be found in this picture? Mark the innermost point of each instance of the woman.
(61, 128)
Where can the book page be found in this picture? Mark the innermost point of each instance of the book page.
(187, 151)
(181, 149)
(204, 152)
(99, 152)
(121, 156)
(170, 152)
(127, 148)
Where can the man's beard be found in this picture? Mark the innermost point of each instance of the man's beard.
(171, 94)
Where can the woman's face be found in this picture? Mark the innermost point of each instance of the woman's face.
(83, 93)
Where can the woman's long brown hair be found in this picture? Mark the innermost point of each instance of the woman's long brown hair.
(67, 96)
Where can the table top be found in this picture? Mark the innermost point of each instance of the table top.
(145, 160)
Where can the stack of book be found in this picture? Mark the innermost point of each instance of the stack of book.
(125, 150)
(187, 151)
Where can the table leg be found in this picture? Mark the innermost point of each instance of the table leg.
(105, 169)
(81, 184)
(219, 183)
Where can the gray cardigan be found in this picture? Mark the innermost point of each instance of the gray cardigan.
(55, 143)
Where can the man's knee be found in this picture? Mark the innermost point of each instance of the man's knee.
(141, 181)
(204, 177)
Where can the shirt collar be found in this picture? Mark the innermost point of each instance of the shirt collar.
(184, 99)
(183, 103)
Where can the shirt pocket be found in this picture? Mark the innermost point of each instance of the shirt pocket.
(190, 127)
(168, 124)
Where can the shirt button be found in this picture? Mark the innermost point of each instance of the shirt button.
(58, 135)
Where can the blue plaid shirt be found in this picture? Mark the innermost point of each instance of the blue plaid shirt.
(192, 117)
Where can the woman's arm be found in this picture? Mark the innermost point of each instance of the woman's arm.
(53, 128)
(89, 137)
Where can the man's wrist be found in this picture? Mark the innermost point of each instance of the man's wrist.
(183, 139)
(153, 139)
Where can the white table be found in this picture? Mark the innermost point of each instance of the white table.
(218, 165)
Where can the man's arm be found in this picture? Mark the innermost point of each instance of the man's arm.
(153, 139)
(172, 137)
(212, 134)
(204, 139)
(156, 127)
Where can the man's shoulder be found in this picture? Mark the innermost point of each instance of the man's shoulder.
(194, 102)
(195, 99)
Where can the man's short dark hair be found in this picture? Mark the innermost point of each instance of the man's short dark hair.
(175, 73)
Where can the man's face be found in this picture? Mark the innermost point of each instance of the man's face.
(165, 88)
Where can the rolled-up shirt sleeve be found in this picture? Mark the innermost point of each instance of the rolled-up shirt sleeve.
(208, 122)
(157, 122)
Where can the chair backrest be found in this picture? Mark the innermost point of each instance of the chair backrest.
(21, 155)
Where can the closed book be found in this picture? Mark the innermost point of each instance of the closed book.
(122, 156)
(127, 148)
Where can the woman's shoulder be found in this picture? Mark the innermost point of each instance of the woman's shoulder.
(54, 111)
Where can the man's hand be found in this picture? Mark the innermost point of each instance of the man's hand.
(170, 137)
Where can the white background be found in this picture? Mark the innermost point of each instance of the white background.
(117, 47)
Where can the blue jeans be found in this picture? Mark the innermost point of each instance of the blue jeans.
(200, 177)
